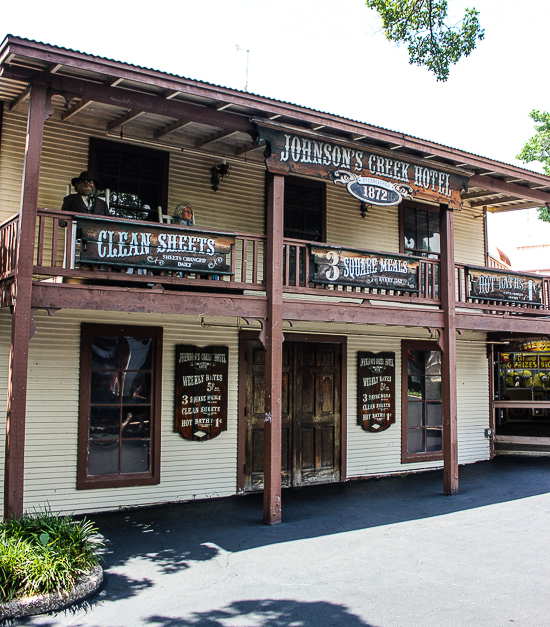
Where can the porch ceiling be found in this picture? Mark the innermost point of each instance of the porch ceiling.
(149, 106)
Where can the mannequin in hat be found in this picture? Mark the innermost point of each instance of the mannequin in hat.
(85, 199)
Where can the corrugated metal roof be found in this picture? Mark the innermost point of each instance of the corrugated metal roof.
(94, 57)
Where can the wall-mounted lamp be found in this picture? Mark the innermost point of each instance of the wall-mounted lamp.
(218, 171)
(364, 209)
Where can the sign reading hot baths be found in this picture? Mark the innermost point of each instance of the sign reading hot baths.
(141, 244)
(364, 269)
(373, 178)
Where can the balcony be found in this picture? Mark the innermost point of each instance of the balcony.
(61, 257)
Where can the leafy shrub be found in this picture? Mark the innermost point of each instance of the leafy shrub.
(41, 553)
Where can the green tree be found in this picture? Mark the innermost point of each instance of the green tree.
(431, 41)
(538, 149)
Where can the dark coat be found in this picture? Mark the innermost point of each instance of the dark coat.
(75, 204)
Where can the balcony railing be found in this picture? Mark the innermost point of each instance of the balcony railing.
(57, 256)
(57, 259)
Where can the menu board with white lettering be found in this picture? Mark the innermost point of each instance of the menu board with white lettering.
(375, 390)
(201, 391)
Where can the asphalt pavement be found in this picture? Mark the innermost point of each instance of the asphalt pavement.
(393, 552)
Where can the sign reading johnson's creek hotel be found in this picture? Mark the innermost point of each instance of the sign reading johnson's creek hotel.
(145, 245)
(338, 266)
(370, 176)
(201, 391)
(503, 287)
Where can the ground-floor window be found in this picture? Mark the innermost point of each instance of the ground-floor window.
(119, 418)
(421, 412)
(522, 389)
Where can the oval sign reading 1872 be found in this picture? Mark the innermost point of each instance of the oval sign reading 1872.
(371, 190)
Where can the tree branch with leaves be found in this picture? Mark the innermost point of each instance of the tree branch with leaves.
(422, 26)
(538, 149)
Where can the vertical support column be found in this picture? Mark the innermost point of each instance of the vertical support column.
(274, 348)
(448, 369)
(21, 315)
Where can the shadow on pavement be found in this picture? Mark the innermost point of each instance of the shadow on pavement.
(174, 536)
(267, 612)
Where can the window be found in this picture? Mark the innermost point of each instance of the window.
(420, 227)
(305, 210)
(421, 435)
(119, 421)
(137, 178)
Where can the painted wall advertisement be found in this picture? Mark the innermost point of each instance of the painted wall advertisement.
(131, 243)
(375, 390)
(201, 391)
(339, 266)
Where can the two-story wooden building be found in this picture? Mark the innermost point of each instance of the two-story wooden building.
(328, 316)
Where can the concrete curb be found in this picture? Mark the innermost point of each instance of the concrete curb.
(40, 604)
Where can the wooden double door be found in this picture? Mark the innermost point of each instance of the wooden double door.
(311, 421)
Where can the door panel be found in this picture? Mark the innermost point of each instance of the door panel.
(311, 414)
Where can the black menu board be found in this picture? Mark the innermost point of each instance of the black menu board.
(201, 391)
(375, 390)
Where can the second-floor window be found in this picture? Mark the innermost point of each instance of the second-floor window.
(137, 178)
(420, 227)
(305, 214)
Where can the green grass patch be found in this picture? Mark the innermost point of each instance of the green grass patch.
(41, 553)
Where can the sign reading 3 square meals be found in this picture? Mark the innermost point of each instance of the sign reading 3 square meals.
(361, 268)
(148, 245)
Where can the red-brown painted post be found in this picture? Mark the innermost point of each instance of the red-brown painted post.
(448, 366)
(274, 348)
(21, 315)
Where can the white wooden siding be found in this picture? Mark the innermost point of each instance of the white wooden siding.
(469, 238)
(238, 205)
(189, 470)
(380, 453)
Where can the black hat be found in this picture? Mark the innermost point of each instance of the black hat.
(84, 176)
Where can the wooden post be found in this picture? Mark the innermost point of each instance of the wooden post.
(21, 315)
(274, 348)
(448, 366)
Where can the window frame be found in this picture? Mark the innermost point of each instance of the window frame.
(310, 183)
(97, 144)
(84, 480)
(406, 457)
(416, 205)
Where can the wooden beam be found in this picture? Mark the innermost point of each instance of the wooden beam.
(145, 300)
(21, 100)
(493, 202)
(170, 128)
(126, 117)
(223, 106)
(523, 205)
(214, 138)
(171, 93)
(248, 148)
(510, 324)
(148, 103)
(448, 357)
(499, 186)
(21, 315)
(76, 109)
(55, 67)
(478, 194)
(274, 350)
(115, 82)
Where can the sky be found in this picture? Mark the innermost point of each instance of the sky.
(326, 55)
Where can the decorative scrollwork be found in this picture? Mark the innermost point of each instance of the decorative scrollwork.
(344, 177)
(405, 190)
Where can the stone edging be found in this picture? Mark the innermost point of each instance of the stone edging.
(40, 604)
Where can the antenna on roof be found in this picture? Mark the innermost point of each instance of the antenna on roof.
(247, 57)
